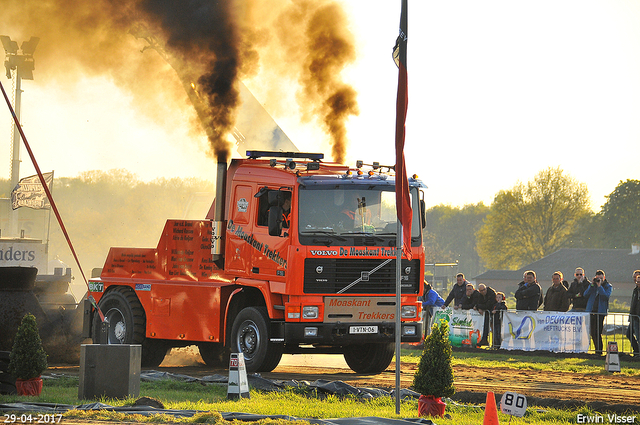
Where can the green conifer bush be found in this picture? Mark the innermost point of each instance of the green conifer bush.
(434, 376)
(27, 359)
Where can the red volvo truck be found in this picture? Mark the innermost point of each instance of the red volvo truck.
(300, 257)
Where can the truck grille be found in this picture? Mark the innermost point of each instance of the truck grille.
(330, 275)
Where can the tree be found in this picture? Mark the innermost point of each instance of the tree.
(27, 359)
(531, 221)
(454, 230)
(434, 376)
(620, 216)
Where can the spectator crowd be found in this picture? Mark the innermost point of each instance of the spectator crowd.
(581, 295)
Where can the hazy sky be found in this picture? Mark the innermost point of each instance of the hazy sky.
(498, 90)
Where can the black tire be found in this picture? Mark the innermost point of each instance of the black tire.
(7, 389)
(250, 336)
(126, 325)
(214, 354)
(369, 358)
(153, 352)
(16, 278)
(6, 378)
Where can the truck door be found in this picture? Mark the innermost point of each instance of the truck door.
(271, 261)
(240, 239)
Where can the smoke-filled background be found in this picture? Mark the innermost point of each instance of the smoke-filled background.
(497, 92)
(186, 59)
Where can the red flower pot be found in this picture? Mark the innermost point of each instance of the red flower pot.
(32, 387)
(428, 405)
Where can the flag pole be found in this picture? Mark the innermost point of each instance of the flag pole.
(403, 200)
(398, 312)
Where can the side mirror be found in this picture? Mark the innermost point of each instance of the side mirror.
(423, 214)
(275, 221)
(275, 197)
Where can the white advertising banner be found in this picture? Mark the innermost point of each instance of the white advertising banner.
(545, 330)
(465, 326)
(23, 254)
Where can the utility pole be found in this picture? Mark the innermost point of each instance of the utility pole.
(22, 66)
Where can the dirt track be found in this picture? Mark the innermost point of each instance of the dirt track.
(542, 388)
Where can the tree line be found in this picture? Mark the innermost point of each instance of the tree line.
(523, 224)
(530, 221)
(101, 209)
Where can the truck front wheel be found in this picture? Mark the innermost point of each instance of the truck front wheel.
(369, 358)
(250, 336)
(126, 324)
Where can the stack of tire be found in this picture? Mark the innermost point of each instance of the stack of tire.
(7, 381)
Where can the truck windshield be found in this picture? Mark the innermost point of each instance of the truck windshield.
(358, 210)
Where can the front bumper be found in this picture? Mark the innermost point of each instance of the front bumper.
(339, 333)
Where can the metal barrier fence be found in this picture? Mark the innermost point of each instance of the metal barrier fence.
(615, 327)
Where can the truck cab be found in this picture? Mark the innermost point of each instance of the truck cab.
(301, 258)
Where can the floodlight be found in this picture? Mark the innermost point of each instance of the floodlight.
(28, 47)
(10, 46)
(26, 68)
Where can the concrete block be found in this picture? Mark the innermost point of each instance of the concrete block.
(109, 371)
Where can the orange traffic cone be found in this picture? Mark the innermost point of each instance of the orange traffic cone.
(490, 411)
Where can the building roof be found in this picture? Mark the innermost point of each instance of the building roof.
(618, 265)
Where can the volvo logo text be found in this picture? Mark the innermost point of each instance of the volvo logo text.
(323, 252)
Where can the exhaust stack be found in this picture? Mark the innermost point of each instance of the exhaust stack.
(217, 231)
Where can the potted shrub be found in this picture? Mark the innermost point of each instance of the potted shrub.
(28, 359)
(434, 377)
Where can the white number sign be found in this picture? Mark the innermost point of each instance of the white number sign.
(513, 404)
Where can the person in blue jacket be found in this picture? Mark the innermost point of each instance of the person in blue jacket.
(597, 295)
(430, 299)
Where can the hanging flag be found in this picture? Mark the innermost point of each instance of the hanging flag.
(403, 200)
(30, 193)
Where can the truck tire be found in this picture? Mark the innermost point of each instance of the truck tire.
(127, 324)
(214, 354)
(8, 389)
(250, 336)
(369, 358)
(153, 352)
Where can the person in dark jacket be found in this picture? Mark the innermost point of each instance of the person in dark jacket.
(486, 302)
(457, 292)
(634, 316)
(556, 298)
(529, 293)
(576, 290)
(471, 297)
(498, 310)
(597, 295)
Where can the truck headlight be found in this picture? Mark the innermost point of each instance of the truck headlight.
(409, 311)
(310, 312)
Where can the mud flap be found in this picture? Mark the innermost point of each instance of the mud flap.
(87, 318)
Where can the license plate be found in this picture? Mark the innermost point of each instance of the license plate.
(363, 329)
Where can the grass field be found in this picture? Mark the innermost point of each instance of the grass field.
(211, 399)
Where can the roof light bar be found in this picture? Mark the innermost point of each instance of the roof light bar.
(274, 154)
(375, 165)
